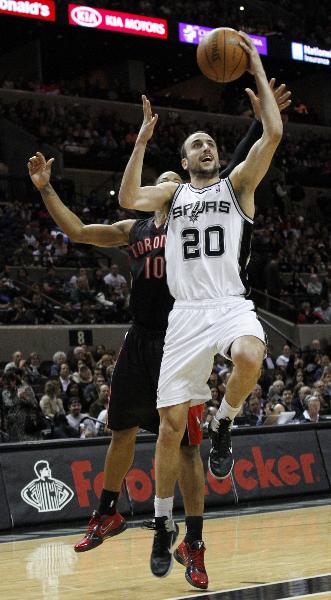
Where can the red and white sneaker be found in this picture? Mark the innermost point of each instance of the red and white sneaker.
(191, 556)
(99, 528)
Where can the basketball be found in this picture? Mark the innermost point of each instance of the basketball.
(220, 56)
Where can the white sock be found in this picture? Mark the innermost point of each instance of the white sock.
(163, 507)
(224, 411)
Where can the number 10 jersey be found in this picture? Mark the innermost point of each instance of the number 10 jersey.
(208, 243)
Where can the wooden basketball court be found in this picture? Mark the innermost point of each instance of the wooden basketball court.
(267, 556)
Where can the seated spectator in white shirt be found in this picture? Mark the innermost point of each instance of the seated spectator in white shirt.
(15, 361)
(114, 279)
(50, 404)
(311, 414)
(282, 360)
(75, 417)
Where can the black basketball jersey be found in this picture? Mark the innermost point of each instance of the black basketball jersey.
(151, 301)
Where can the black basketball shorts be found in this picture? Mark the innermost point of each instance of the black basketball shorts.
(134, 387)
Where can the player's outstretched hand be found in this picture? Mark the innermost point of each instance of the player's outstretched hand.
(255, 63)
(40, 170)
(149, 122)
(281, 93)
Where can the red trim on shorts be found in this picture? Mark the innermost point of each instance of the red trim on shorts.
(194, 425)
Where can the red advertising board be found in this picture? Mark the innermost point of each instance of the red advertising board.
(44, 10)
(97, 18)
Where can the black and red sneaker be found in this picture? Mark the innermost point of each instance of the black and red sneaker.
(99, 528)
(191, 556)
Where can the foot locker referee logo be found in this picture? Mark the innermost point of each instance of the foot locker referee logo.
(45, 493)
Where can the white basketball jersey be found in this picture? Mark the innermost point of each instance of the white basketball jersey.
(208, 243)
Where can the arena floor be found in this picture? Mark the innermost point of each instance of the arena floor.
(279, 552)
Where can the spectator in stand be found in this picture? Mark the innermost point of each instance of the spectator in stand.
(81, 353)
(102, 402)
(114, 279)
(275, 391)
(32, 368)
(314, 289)
(104, 363)
(81, 292)
(324, 310)
(29, 237)
(50, 403)
(99, 351)
(285, 404)
(253, 411)
(39, 312)
(75, 416)
(59, 358)
(52, 285)
(92, 390)
(15, 361)
(283, 359)
(215, 397)
(220, 365)
(64, 378)
(311, 413)
(299, 399)
(22, 419)
(308, 315)
(257, 393)
(83, 377)
(17, 314)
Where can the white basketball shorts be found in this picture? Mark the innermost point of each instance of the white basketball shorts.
(197, 331)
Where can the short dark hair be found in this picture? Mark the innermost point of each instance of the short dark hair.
(183, 153)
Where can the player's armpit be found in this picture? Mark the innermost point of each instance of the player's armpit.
(106, 235)
(149, 198)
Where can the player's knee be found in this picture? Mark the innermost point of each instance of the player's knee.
(249, 362)
(171, 430)
(125, 436)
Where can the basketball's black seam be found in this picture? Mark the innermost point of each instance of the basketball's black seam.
(236, 67)
(224, 55)
(208, 61)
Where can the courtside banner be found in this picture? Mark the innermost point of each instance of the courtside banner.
(5, 520)
(44, 10)
(97, 18)
(57, 482)
(54, 484)
(324, 437)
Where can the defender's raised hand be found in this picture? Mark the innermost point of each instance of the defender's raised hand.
(281, 94)
(149, 122)
(40, 170)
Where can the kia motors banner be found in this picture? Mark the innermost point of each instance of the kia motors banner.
(44, 10)
(59, 483)
(97, 18)
(192, 34)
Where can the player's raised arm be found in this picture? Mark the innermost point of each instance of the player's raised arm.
(131, 194)
(282, 96)
(247, 175)
(98, 235)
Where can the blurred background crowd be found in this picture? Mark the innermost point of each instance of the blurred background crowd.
(68, 397)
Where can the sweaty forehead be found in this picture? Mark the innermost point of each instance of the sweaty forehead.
(199, 136)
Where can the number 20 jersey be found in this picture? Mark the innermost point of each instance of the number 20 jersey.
(208, 243)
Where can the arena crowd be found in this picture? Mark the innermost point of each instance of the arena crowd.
(68, 397)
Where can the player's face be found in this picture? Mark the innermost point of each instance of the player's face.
(169, 176)
(201, 156)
